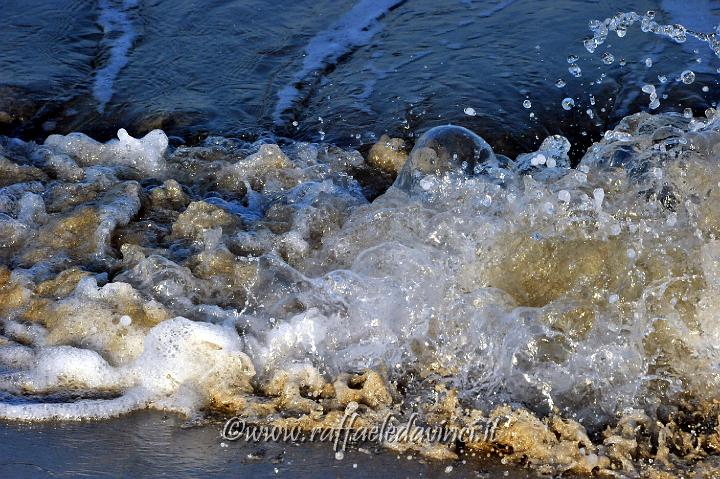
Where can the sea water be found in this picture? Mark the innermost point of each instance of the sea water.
(289, 282)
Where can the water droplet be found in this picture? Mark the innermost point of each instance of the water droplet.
(527, 104)
(470, 111)
(608, 58)
(662, 78)
(560, 83)
(649, 89)
(648, 62)
(622, 62)
(568, 103)
(575, 70)
(706, 88)
(688, 113)
(687, 77)
(572, 58)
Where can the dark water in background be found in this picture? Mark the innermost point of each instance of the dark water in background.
(354, 69)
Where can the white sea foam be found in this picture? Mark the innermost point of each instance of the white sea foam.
(119, 35)
(354, 29)
(145, 154)
(175, 371)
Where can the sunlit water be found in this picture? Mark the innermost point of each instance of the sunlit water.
(269, 273)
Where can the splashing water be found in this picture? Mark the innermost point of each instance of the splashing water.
(298, 279)
(584, 293)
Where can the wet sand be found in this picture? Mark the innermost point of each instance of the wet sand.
(151, 444)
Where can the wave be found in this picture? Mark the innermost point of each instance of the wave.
(119, 36)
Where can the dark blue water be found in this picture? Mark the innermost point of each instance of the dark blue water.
(343, 71)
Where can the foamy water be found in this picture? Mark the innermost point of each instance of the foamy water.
(257, 279)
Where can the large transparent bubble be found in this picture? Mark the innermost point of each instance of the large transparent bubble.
(445, 149)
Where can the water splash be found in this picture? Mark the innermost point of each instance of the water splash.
(622, 21)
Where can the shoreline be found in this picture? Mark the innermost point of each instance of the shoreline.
(153, 444)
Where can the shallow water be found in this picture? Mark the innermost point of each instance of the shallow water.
(155, 445)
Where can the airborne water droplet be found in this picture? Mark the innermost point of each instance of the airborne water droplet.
(590, 44)
(527, 104)
(608, 58)
(687, 77)
(568, 103)
(560, 83)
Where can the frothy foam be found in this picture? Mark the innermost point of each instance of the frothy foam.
(261, 280)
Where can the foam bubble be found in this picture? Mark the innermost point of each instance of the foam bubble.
(145, 154)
